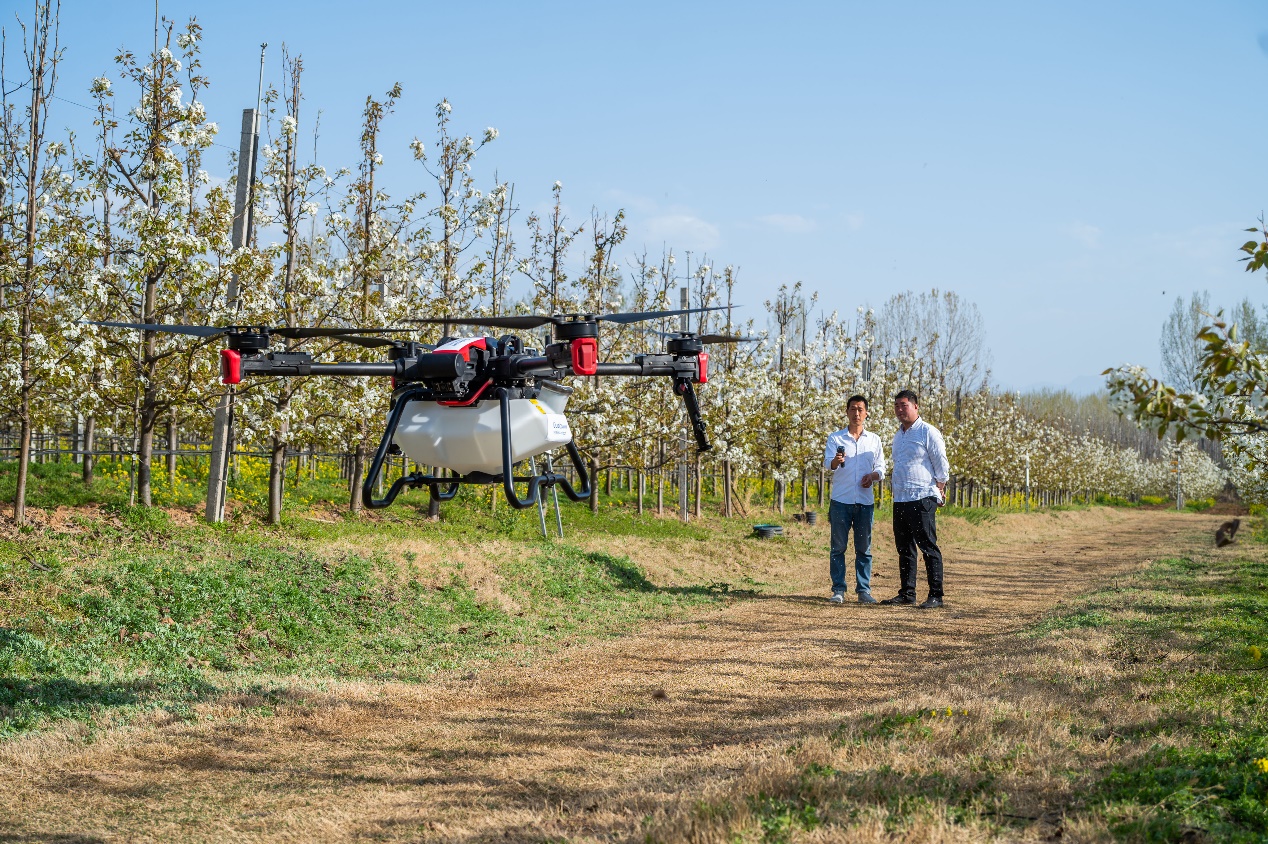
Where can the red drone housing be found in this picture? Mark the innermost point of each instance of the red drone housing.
(230, 366)
(585, 356)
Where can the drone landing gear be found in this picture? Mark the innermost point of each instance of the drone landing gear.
(445, 488)
(682, 387)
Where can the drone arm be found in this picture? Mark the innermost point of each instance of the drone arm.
(643, 365)
(301, 363)
(627, 369)
(380, 368)
(651, 365)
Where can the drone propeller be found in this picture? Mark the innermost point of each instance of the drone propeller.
(348, 335)
(707, 339)
(529, 321)
(377, 342)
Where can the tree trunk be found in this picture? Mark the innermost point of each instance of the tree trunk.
(277, 479)
(594, 484)
(354, 479)
(726, 488)
(699, 486)
(145, 455)
(24, 457)
(660, 491)
(90, 436)
(642, 481)
(171, 453)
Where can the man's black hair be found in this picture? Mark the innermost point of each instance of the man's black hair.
(908, 395)
(852, 399)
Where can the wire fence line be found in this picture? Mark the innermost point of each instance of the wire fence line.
(661, 483)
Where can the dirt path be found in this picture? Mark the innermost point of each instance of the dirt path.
(582, 746)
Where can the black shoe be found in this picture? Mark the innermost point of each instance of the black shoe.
(931, 603)
(899, 601)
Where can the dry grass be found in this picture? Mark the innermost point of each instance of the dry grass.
(1002, 745)
(579, 746)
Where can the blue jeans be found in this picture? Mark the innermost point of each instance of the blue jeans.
(843, 518)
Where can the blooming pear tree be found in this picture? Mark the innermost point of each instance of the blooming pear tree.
(135, 231)
(45, 247)
(173, 229)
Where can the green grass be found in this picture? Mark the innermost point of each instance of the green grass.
(125, 611)
(1195, 506)
(51, 485)
(972, 515)
(1204, 778)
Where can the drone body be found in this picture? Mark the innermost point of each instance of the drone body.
(469, 439)
(475, 406)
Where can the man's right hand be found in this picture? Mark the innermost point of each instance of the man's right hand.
(838, 461)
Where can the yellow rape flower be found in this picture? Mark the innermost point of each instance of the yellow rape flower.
(1262, 765)
(1255, 653)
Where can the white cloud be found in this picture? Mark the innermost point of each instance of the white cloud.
(682, 232)
(791, 223)
(854, 221)
(1088, 235)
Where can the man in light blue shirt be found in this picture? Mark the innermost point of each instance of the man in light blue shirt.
(857, 462)
(918, 489)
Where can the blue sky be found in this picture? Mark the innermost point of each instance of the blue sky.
(1070, 167)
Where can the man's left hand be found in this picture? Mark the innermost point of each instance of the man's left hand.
(866, 481)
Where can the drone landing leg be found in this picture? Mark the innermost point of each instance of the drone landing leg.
(541, 504)
(559, 519)
(413, 480)
(683, 388)
(534, 481)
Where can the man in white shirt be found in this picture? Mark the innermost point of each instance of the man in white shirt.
(857, 462)
(918, 488)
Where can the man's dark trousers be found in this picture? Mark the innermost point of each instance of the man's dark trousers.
(915, 527)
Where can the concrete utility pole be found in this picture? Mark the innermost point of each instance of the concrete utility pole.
(684, 325)
(1179, 477)
(1027, 483)
(222, 428)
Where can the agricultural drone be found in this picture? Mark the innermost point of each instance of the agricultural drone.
(476, 406)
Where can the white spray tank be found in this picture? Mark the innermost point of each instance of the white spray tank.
(469, 439)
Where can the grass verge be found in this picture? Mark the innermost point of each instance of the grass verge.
(1137, 714)
(110, 611)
